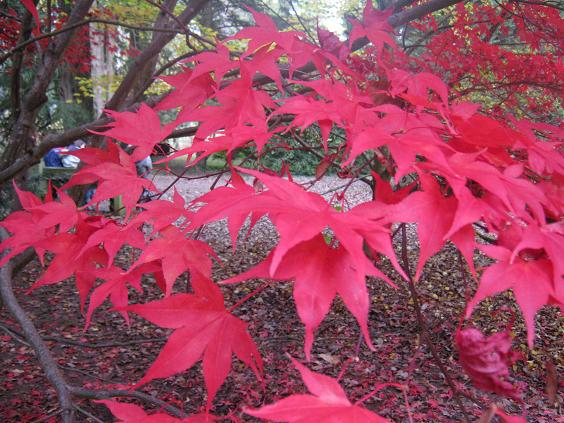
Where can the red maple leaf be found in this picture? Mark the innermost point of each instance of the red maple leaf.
(190, 92)
(116, 289)
(434, 214)
(162, 213)
(265, 33)
(530, 279)
(328, 404)
(374, 26)
(518, 195)
(176, 254)
(297, 214)
(485, 132)
(239, 105)
(228, 140)
(204, 329)
(331, 43)
(415, 87)
(326, 272)
(113, 170)
(131, 413)
(218, 62)
(141, 128)
(71, 260)
(23, 224)
(62, 214)
(112, 236)
(549, 238)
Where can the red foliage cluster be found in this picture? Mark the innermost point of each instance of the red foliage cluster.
(77, 54)
(10, 29)
(468, 167)
(513, 51)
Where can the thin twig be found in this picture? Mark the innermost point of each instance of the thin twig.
(15, 333)
(48, 416)
(46, 360)
(423, 325)
(306, 29)
(87, 414)
(90, 375)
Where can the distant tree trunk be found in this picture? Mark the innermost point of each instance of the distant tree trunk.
(102, 66)
(65, 84)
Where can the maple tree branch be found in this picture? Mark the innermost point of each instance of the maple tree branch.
(250, 295)
(49, 16)
(14, 334)
(423, 325)
(394, 20)
(46, 360)
(411, 14)
(399, 4)
(166, 11)
(420, 11)
(545, 3)
(137, 97)
(15, 80)
(89, 375)
(145, 59)
(278, 15)
(112, 393)
(104, 344)
(66, 138)
(36, 95)
(34, 155)
(50, 366)
(49, 416)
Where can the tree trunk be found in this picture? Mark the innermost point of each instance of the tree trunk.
(101, 66)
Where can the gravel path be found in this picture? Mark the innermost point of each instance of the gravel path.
(254, 246)
(263, 234)
(357, 193)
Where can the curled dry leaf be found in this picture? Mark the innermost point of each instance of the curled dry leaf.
(487, 359)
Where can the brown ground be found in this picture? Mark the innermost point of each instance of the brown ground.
(25, 395)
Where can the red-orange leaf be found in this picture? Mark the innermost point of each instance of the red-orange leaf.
(321, 272)
(204, 329)
(131, 413)
(328, 404)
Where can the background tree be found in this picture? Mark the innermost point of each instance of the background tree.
(375, 111)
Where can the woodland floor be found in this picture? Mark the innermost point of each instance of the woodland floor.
(107, 358)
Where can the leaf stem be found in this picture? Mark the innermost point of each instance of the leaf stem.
(379, 387)
(250, 295)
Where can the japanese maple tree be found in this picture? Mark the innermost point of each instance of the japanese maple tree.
(401, 123)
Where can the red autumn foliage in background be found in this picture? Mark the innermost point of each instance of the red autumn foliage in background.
(445, 164)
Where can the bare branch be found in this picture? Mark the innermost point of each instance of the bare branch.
(145, 61)
(18, 336)
(36, 96)
(422, 324)
(46, 360)
(15, 80)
